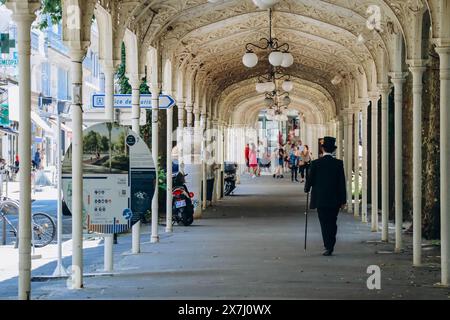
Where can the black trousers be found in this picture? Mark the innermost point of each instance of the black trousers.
(328, 219)
(294, 170)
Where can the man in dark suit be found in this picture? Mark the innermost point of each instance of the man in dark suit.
(327, 179)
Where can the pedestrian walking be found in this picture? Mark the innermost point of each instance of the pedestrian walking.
(279, 171)
(305, 162)
(247, 154)
(252, 159)
(37, 159)
(293, 163)
(327, 179)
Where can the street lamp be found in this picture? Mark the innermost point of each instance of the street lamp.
(279, 53)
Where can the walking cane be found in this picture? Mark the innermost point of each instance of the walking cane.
(306, 217)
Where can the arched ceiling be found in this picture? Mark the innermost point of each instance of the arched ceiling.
(209, 39)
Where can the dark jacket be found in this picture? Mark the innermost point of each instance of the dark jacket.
(327, 179)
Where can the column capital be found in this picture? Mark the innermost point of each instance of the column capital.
(188, 108)
(180, 104)
(417, 64)
(135, 81)
(441, 42)
(443, 49)
(155, 88)
(384, 88)
(77, 51)
(23, 11)
(398, 77)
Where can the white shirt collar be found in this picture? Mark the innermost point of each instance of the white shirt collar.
(326, 154)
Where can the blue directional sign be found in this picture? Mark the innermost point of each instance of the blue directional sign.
(123, 101)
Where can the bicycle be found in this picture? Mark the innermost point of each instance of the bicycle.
(44, 228)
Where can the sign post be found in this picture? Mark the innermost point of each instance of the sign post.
(123, 101)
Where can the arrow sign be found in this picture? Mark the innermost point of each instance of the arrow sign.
(123, 101)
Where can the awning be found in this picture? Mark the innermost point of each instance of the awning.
(41, 123)
(8, 130)
(63, 126)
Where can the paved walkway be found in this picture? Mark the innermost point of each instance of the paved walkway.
(251, 246)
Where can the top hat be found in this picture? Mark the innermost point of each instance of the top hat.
(329, 143)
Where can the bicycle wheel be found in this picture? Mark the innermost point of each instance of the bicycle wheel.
(44, 229)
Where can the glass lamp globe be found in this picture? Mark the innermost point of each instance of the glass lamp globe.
(286, 100)
(268, 102)
(260, 87)
(287, 85)
(250, 59)
(265, 4)
(269, 86)
(288, 60)
(276, 58)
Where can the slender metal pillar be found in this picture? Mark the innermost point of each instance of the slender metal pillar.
(349, 160)
(197, 159)
(24, 20)
(180, 129)
(77, 167)
(364, 162)
(384, 89)
(417, 73)
(135, 116)
(169, 170)
(444, 54)
(204, 122)
(155, 89)
(356, 164)
(398, 80)
(374, 163)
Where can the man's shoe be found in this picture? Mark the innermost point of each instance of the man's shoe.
(327, 253)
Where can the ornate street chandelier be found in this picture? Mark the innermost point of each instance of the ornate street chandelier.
(277, 104)
(279, 53)
(266, 83)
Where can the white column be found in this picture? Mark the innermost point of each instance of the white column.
(417, 73)
(169, 170)
(398, 80)
(349, 146)
(374, 163)
(189, 118)
(135, 115)
(204, 128)
(24, 20)
(339, 140)
(345, 149)
(356, 163)
(444, 54)
(109, 92)
(197, 159)
(364, 163)
(77, 167)
(180, 129)
(155, 89)
(384, 89)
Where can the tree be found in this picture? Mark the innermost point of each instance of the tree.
(50, 8)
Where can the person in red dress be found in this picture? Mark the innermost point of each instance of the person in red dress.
(247, 153)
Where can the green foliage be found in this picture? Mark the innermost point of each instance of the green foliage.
(124, 83)
(162, 176)
(53, 9)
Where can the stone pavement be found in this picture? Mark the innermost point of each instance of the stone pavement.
(250, 246)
